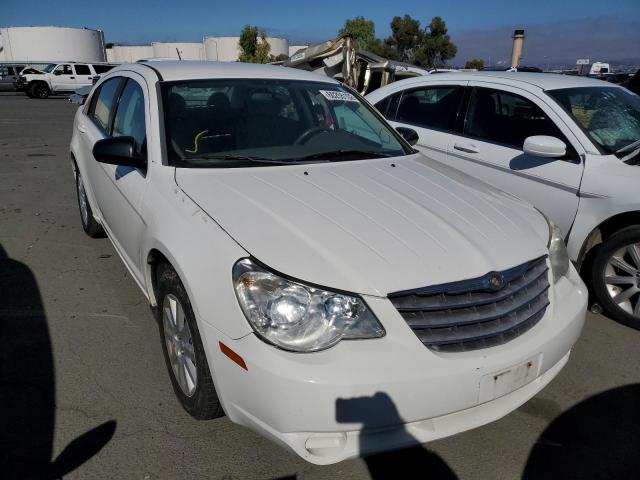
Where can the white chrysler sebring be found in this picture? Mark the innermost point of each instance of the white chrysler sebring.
(313, 275)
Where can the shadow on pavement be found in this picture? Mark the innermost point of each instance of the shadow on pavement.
(413, 462)
(599, 438)
(27, 385)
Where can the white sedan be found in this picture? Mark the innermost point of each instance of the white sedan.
(569, 145)
(313, 276)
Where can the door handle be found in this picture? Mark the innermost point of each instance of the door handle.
(82, 128)
(73, 78)
(466, 149)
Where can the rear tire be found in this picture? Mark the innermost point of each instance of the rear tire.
(39, 90)
(89, 224)
(615, 276)
(182, 347)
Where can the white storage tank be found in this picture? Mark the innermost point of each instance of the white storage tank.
(188, 51)
(130, 53)
(279, 46)
(222, 49)
(52, 43)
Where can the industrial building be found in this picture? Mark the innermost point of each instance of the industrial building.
(222, 49)
(31, 44)
(51, 44)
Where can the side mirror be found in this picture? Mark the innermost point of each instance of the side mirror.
(409, 134)
(544, 146)
(119, 151)
(57, 72)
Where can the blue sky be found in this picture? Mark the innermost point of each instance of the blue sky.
(143, 21)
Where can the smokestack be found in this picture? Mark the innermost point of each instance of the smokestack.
(516, 53)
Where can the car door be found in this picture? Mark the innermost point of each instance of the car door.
(118, 108)
(83, 74)
(7, 77)
(429, 109)
(63, 79)
(490, 147)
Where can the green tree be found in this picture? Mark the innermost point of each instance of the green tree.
(430, 47)
(406, 37)
(254, 47)
(436, 47)
(475, 64)
(248, 44)
(362, 30)
(263, 51)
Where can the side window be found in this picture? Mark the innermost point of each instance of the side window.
(506, 118)
(63, 70)
(430, 107)
(82, 70)
(102, 68)
(102, 103)
(382, 105)
(129, 119)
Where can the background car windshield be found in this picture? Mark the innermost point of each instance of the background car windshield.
(270, 120)
(610, 116)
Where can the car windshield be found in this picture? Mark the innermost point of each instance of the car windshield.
(49, 68)
(609, 115)
(241, 122)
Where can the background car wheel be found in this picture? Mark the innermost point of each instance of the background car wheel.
(89, 224)
(616, 276)
(39, 90)
(183, 349)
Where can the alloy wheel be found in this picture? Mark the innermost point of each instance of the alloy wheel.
(622, 278)
(82, 200)
(179, 344)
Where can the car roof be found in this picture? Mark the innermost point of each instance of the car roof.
(545, 81)
(193, 70)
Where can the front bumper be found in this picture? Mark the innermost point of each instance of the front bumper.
(366, 396)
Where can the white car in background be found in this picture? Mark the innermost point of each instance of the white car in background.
(57, 78)
(569, 145)
(314, 276)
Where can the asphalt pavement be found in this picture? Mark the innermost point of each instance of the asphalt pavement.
(84, 391)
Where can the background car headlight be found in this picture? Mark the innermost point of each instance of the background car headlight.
(558, 255)
(299, 317)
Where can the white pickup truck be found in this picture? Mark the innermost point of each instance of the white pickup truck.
(58, 78)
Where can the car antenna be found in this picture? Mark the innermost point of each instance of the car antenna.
(178, 52)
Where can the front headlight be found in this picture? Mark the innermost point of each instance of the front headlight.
(558, 255)
(299, 317)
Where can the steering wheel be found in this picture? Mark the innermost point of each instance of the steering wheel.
(305, 136)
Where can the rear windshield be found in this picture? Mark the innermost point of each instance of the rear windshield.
(241, 122)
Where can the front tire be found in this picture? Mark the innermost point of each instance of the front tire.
(39, 90)
(89, 224)
(182, 348)
(615, 276)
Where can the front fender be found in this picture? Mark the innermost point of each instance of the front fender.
(199, 250)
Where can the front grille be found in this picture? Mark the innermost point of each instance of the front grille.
(477, 313)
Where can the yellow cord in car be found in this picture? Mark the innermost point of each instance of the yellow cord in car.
(195, 142)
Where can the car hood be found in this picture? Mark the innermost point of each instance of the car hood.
(370, 226)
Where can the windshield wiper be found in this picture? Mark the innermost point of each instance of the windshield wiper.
(335, 155)
(242, 158)
(628, 148)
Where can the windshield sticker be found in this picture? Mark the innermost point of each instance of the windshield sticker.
(337, 96)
